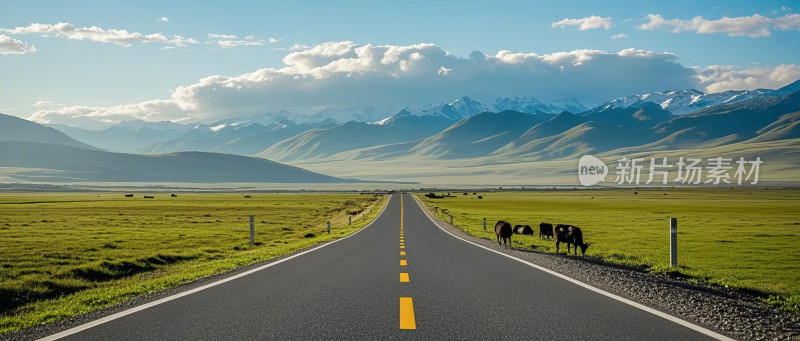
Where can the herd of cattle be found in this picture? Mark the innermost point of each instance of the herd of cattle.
(568, 234)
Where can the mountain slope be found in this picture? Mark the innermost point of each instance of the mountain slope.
(324, 142)
(126, 136)
(734, 122)
(17, 129)
(48, 162)
(478, 135)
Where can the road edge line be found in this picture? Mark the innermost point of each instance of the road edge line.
(95, 323)
(640, 306)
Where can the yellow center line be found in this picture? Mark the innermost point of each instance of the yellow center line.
(402, 253)
(402, 246)
(407, 320)
(403, 262)
(404, 277)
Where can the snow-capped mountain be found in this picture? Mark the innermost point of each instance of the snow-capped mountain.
(680, 102)
(465, 107)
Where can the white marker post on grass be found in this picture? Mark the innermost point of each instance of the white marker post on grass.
(252, 230)
(673, 242)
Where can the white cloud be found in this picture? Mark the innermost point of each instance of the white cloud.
(10, 45)
(227, 41)
(273, 40)
(619, 36)
(226, 44)
(344, 74)
(718, 78)
(752, 26)
(588, 23)
(298, 47)
(94, 33)
(43, 103)
(163, 19)
(223, 36)
(100, 117)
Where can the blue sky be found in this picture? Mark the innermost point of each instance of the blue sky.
(64, 73)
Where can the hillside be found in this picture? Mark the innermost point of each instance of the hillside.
(57, 163)
(17, 129)
(323, 142)
(478, 135)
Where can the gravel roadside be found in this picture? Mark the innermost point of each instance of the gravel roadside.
(727, 311)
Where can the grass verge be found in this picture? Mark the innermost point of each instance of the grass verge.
(66, 254)
(745, 238)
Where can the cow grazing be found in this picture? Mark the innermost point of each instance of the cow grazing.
(174, 195)
(570, 235)
(503, 230)
(575, 237)
(129, 195)
(545, 231)
(148, 197)
(480, 197)
(560, 235)
(523, 229)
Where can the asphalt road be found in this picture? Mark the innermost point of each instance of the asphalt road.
(353, 289)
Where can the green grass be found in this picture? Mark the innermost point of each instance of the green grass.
(744, 238)
(70, 253)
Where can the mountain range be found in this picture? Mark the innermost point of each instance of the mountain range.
(251, 135)
(466, 136)
(32, 152)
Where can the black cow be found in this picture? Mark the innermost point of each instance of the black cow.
(503, 230)
(545, 231)
(523, 229)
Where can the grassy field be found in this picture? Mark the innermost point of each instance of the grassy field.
(63, 254)
(745, 238)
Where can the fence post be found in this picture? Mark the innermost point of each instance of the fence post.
(350, 220)
(673, 242)
(451, 219)
(329, 227)
(252, 230)
(484, 223)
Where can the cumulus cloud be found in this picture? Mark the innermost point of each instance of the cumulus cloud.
(752, 26)
(99, 117)
(718, 78)
(163, 19)
(98, 34)
(619, 36)
(10, 45)
(346, 74)
(588, 23)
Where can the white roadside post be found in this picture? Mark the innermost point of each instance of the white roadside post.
(252, 230)
(673, 242)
